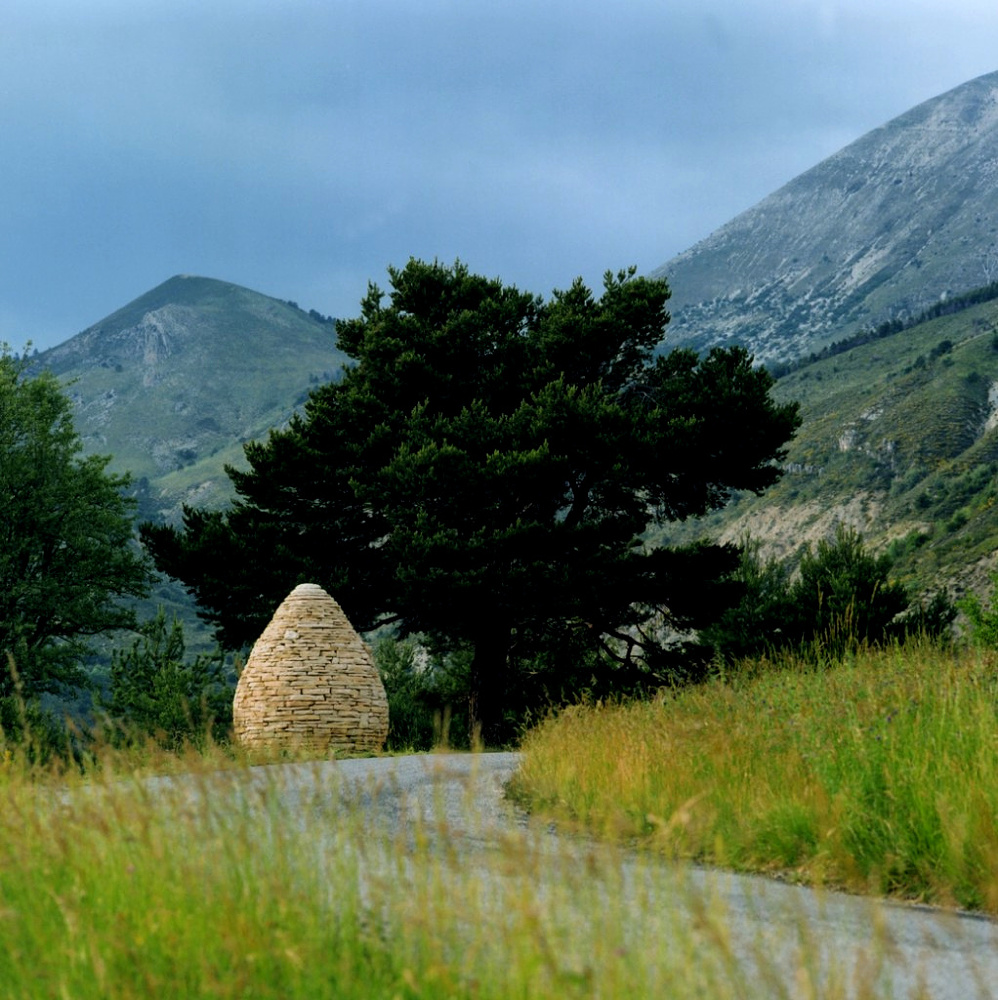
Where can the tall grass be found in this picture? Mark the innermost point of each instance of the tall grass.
(879, 775)
(238, 884)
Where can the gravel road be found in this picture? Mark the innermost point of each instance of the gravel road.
(458, 800)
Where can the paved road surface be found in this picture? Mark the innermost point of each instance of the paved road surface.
(458, 798)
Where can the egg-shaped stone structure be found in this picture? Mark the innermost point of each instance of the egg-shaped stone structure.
(310, 681)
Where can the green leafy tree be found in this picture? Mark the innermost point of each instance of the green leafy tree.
(758, 622)
(67, 557)
(156, 691)
(843, 595)
(483, 476)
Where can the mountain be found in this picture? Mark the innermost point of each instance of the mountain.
(173, 383)
(903, 217)
(899, 439)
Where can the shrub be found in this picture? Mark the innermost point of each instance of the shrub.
(943, 347)
(427, 696)
(755, 624)
(932, 617)
(843, 598)
(983, 619)
(155, 692)
(957, 521)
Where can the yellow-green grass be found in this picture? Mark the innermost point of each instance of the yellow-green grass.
(219, 885)
(879, 775)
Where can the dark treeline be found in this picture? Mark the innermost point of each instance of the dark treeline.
(945, 307)
(314, 313)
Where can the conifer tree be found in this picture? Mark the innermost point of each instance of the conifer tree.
(483, 476)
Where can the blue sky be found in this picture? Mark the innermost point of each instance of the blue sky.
(300, 146)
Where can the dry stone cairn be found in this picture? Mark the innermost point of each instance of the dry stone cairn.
(310, 681)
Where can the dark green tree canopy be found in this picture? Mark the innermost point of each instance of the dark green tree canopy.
(841, 598)
(157, 690)
(67, 555)
(485, 471)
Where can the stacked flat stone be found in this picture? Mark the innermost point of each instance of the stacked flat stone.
(310, 681)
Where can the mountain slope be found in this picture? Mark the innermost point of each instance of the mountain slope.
(900, 440)
(172, 384)
(905, 215)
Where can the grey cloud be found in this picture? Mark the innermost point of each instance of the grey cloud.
(299, 147)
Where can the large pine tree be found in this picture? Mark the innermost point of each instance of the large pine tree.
(484, 473)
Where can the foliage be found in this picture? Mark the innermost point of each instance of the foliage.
(427, 695)
(757, 622)
(931, 617)
(35, 736)
(67, 557)
(483, 476)
(842, 597)
(983, 618)
(156, 692)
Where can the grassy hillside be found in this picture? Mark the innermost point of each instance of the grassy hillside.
(175, 382)
(877, 775)
(898, 439)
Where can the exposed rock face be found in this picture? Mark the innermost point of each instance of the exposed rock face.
(886, 227)
(310, 681)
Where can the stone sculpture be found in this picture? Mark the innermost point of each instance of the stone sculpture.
(310, 681)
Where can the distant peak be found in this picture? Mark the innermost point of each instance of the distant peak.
(877, 231)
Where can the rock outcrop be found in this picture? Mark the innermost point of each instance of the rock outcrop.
(310, 681)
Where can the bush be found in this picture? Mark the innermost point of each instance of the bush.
(957, 521)
(943, 347)
(843, 598)
(983, 619)
(155, 692)
(427, 696)
(932, 618)
(755, 625)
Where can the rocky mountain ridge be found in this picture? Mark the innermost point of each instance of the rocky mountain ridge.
(892, 223)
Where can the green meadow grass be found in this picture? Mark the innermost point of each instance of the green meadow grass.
(156, 875)
(879, 775)
(209, 884)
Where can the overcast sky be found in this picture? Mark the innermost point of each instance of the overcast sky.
(300, 146)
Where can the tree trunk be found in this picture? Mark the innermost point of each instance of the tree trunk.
(487, 689)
